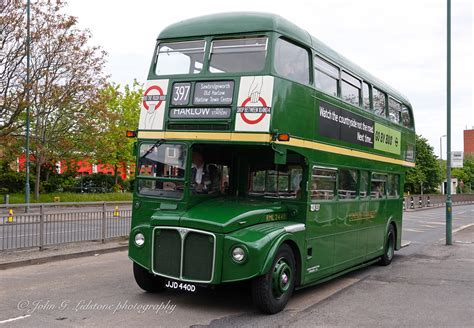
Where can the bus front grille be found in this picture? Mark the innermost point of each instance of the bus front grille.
(167, 252)
(184, 254)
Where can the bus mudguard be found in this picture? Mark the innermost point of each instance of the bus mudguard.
(260, 243)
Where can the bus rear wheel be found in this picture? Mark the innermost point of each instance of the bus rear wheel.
(272, 291)
(389, 249)
(146, 280)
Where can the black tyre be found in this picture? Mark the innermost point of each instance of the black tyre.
(272, 291)
(389, 249)
(146, 280)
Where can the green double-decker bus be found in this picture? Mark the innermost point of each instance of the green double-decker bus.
(263, 155)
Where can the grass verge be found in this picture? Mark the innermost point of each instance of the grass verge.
(72, 197)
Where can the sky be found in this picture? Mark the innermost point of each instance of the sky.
(401, 42)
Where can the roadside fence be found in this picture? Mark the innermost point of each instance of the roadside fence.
(42, 225)
(413, 202)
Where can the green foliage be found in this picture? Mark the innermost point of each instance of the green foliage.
(129, 184)
(12, 182)
(122, 110)
(98, 183)
(466, 175)
(427, 170)
(59, 183)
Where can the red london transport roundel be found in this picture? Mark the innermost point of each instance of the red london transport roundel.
(150, 98)
(258, 119)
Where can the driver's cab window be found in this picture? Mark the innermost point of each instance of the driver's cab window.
(209, 175)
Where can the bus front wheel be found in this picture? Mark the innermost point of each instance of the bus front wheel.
(272, 291)
(147, 281)
(389, 248)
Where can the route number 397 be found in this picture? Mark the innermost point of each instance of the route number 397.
(181, 93)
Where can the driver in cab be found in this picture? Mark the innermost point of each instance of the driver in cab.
(204, 177)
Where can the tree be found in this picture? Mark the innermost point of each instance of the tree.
(12, 66)
(66, 75)
(465, 176)
(121, 114)
(427, 170)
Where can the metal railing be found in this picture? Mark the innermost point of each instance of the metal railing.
(434, 200)
(41, 225)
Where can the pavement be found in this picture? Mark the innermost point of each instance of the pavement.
(16, 258)
(428, 284)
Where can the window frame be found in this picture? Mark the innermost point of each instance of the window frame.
(356, 196)
(278, 174)
(317, 69)
(359, 184)
(399, 111)
(385, 97)
(346, 79)
(372, 173)
(310, 62)
(335, 189)
(138, 177)
(369, 89)
(406, 109)
(156, 55)
(389, 185)
(207, 66)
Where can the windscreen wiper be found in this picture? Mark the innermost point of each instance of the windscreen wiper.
(155, 145)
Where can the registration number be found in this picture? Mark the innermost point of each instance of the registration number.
(181, 286)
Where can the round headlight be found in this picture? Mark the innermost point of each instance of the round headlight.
(238, 254)
(139, 239)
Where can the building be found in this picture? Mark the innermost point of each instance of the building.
(469, 143)
(81, 167)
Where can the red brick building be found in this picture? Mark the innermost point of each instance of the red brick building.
(469, 142)
(82, 167)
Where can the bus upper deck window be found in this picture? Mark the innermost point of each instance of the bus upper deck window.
(238, 55)
(350, 89)
(379, 101)
(326, 76)
(366, 92)
(180, 58)
(394, 110)
(406, 117)
(292, 61)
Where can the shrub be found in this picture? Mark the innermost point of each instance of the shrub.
(97, 183)
(12, 182)
(128, 184)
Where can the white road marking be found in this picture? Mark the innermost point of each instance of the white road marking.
(463, 227)
(464, 212)
(427, 226)
(17, 318)
(437, 223)
(413, 230)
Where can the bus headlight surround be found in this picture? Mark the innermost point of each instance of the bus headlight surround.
(239, 254)
(139, 239)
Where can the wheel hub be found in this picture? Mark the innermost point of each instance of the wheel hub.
(281, 278)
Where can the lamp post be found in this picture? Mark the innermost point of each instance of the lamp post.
(27, 163)
(449, 208)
